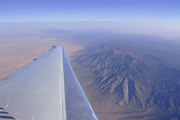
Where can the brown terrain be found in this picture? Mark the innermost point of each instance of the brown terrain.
(18, 51)
(123, 85)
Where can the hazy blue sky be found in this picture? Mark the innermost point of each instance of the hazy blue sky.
(90, 10)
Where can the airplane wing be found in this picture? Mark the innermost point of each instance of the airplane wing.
(44, 89)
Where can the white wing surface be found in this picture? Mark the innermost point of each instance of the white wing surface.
(44, 89)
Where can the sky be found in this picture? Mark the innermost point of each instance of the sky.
(167, 11)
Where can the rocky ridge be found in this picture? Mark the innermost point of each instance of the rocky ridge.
(133, 84)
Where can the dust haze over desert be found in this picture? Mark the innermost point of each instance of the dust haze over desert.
(125, 54)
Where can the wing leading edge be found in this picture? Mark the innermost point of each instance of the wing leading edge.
(44, 89)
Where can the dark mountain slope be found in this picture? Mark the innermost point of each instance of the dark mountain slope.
(131, 83)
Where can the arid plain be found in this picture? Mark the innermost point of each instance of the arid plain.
(17, 50)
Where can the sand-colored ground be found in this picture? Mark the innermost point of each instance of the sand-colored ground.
(17, 51)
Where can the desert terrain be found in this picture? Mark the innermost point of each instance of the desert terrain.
(16, 51)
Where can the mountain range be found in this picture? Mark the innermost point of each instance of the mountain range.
(125, 85)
